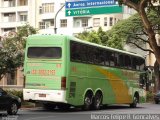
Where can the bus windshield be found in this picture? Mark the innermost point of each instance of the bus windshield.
(44, 52)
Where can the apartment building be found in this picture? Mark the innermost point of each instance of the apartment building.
(41, 14)
(15, 13)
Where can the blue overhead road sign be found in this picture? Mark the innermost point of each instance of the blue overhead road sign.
(92, 7)
(89, 3)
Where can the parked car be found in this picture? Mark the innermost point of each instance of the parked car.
(157, 97)
(9, 102)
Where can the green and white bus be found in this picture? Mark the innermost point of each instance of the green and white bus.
(64, 71)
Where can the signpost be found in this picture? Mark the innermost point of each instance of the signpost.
(91, 7)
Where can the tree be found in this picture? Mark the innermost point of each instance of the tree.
(151, 28)
(132, 32)
(101, 37)
(140, 6)
(12, 49)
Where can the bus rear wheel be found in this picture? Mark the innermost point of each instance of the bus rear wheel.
(97, 101)
(87, 101)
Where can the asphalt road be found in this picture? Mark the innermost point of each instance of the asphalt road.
(145, 111)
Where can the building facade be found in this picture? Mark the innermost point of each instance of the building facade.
(41, 15)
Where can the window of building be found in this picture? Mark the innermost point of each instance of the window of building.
(23, 2)
(111, 21)
(9, 3)
(10, 17)
(47, 7)
(23, 16)
(9, 29)
(40, 10)
(52, 23)
(105, 21)
(41, 25)
(46, 24)
(84, 22)
(12, 3)
(11, 78)
(115, 20)
(63, 22)
(96, 22)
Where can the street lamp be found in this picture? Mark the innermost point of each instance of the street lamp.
(55, 27)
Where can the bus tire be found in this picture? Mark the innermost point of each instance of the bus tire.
(97, 103)
(87, 101)
(135, 101)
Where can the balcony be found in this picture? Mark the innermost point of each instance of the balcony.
(47, 16)
(22, 3)
(11, 24)
(11, 9)
(11, 3)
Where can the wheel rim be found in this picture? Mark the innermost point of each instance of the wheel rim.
(14, 108)
(87, 101)
(135, 101)
(98, 101)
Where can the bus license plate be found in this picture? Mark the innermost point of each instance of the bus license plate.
(42, 95)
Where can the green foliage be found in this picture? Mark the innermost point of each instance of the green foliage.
(12, 49)
(134, 1)
(150, 96)
(101, 37)
(18, 93)
(131, 30)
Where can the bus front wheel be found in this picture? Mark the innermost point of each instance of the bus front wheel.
(135, 101)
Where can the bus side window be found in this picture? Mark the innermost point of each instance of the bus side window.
(83, 52)
(121, 60)
(112, 59)
(107, 58)
(78, 52)
(127, 62)
(75, 48)
(91, 55)
(141, 64)
(102, 57)
(116, 60)
(135, 65)
(99, 53)
(72, 51)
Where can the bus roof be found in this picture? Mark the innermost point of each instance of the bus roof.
(85, 42)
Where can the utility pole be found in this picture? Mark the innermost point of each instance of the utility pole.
(55, 27)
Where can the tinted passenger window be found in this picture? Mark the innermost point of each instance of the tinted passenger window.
(141, 64)
(107, 57)
(78, 52)
(127, 62)
(135, 63)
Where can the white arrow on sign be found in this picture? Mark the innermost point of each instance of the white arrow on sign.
(69, 5)
(69, 12)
